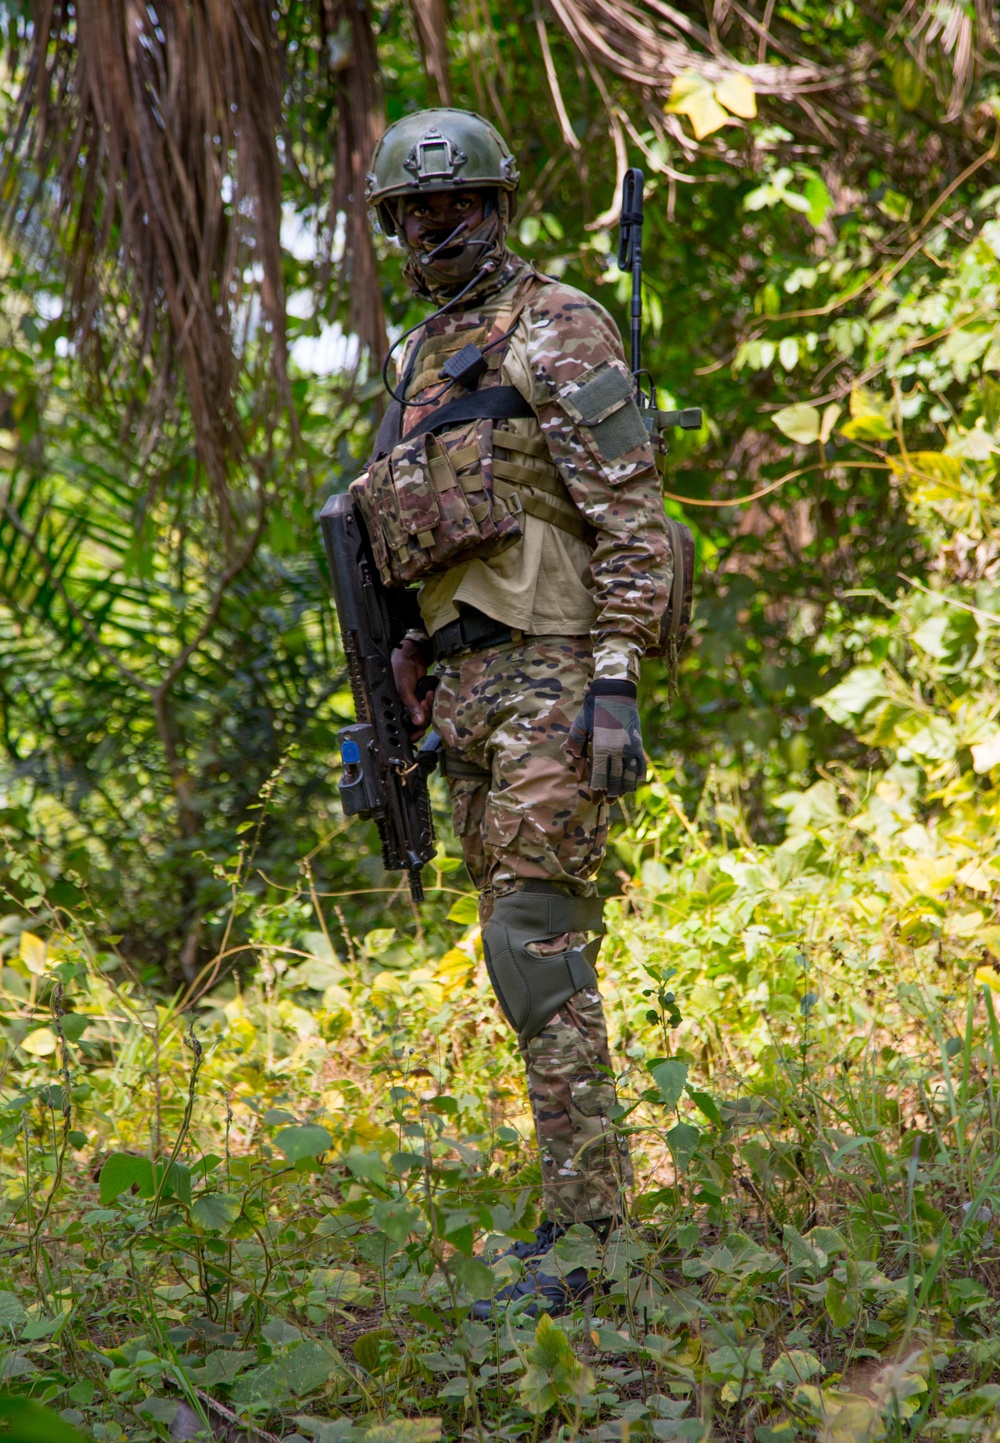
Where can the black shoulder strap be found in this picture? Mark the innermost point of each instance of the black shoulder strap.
(391, 428)
(387, 437)
(496, 403)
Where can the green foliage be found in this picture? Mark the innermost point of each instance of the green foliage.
(270, 1198)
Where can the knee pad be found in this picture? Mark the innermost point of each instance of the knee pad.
(531, 989)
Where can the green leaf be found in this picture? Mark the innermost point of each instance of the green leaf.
(829, 1240)
(706, 1105)
(309, 1365)
(309, 1140)
(895, 206)
(800, 422)
(215, 1211)
(841, 1303)
(577, 1248)
(991, 403)
(670, 1075)
(796, 1366)
(27, 1422)
(472, 1275)
(850, 699)
(682, 1141)
(12, 1314)
(121, 1172)
(376, 1349)
(465, 910)
(820, 200)
(74, 1025)
(368, 1166)
(870, 417)
(908, 82)
(397, 1219)
(179, 1182)
(554, 1372)
(802, 1253)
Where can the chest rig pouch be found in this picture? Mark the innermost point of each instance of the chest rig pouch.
(439, 495)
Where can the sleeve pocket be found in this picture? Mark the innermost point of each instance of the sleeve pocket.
(602, 402)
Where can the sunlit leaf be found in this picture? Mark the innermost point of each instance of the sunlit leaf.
(465, 910)
(735, 92)
(40, 1043)
(694, 96)
(800, 422)
(32, 952)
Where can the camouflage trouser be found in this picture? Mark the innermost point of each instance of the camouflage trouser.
(507, 712)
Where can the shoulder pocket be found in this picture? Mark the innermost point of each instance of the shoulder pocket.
(602, 402)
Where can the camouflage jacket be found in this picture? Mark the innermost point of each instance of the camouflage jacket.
(563, 340)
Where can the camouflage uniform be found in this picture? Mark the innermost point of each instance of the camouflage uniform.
(507, 711)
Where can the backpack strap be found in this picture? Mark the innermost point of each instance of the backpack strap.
(495, 403)
(474, 405)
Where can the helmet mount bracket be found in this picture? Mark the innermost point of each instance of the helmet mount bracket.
(434, 158)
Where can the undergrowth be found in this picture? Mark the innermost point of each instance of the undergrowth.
(274, 1202)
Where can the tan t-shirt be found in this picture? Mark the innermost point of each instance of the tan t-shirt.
(538, 585)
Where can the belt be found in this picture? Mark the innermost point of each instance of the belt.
(473, 631)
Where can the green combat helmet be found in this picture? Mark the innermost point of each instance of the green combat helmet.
(434, 150)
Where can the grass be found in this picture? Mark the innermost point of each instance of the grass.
(267, 1208)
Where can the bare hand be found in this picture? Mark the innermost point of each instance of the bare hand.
(408, 668)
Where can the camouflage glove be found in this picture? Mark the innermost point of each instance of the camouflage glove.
(610, 722)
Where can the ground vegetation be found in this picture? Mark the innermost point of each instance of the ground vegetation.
(260, 1130)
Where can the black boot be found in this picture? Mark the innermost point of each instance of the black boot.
(560, 1291)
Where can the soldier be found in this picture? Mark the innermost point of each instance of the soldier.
(516, 392)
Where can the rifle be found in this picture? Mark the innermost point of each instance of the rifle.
(676, 619)
(383, 779)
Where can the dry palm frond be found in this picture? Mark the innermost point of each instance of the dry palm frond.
(431, 20)
(650, 45)
(158, 125)
(360, 123)
(647, 44)
(962, 36)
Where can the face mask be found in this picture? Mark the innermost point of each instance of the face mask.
(456, 265)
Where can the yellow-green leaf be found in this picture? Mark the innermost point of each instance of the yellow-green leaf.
(830, 417)
(800, 422)
(735, 92)
(930, 466)
(33, 951)
(908, 82)
(870, 419)
(694, 96)
(41, 1043)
